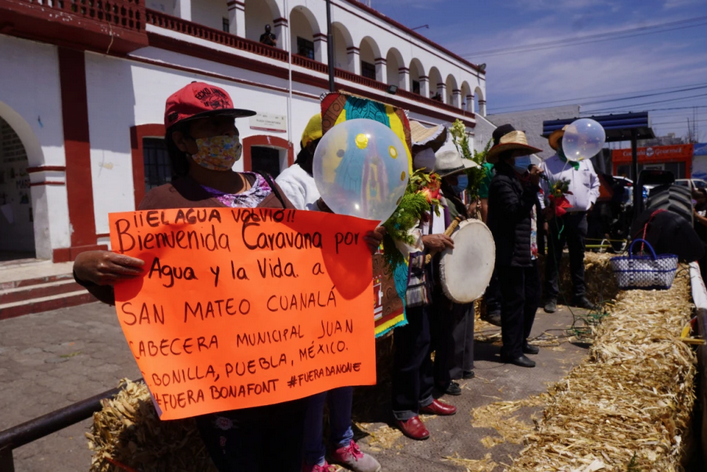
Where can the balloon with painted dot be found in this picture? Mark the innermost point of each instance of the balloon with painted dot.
(361, 169)
(583, 139)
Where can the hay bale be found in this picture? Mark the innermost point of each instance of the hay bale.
(127, 431)
(628, 406)
(598, 277)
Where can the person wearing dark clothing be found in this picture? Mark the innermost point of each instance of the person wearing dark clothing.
(452, 323)
(268, 37)
(513, 201)
(413, 370)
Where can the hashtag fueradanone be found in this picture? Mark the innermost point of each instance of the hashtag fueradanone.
(315, 374)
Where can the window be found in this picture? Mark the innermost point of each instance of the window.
(158, 168)
(225, 25)
(416, 87)
(368, 70)
(265, 159)
(305, 48)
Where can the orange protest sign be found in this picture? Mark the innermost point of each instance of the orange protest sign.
(240, 308)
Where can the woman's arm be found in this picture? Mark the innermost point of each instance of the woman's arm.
(98, 271)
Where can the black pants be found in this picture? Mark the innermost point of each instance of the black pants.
(463, 334)
(492, 296)
(412, 373)
(572, 230)
(520, 288)
(442, 340)
(257, 439)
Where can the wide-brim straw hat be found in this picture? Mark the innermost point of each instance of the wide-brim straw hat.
(507, 138)
(450, 162)
(434, 136)
(555, 136)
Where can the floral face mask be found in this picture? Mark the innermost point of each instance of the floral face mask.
(218, 152)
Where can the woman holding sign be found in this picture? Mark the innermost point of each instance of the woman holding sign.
(203, 144)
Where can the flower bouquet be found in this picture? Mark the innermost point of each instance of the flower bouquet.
(557, 198)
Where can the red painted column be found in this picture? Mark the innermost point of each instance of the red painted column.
(77, 146)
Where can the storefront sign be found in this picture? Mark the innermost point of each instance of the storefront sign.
(269, 122)
(679, 152)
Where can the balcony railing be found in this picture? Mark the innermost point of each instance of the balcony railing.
(117, 26)
(126, 14)
(179, 25)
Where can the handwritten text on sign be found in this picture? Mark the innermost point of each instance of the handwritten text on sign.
(245, 307)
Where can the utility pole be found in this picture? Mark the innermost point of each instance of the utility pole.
(330, 46)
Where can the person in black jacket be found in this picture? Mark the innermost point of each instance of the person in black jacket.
(512, 218)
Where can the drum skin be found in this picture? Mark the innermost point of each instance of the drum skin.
(466, 270)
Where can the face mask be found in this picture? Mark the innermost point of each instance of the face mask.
(462, 184)
(521, 164)
(426, 159)
(218, 152)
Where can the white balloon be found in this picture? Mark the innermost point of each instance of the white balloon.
(583, 139)
(361, 169)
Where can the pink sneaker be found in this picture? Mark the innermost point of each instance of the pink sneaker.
(318, 468)
(354, 459)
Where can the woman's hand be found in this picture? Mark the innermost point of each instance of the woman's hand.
(374, 238)
(106, 267)
(437, 242)
(535, 173)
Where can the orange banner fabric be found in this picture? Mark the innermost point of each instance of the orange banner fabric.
(240, 308)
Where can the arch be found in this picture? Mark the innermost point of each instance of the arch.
(435, 80)
(450, 87)
(466, 92)
(479, 101)
(287, 156)
(259, 13)
(368, 53)
(35, 156)
(23, 232)
(394, 61)
(416, 71)
(304, 25)
(342, 42)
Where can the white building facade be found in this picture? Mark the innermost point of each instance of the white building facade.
(83, 88)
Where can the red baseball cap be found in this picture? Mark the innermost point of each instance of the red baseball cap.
(199, 100)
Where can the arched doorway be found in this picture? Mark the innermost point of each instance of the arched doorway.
(16, 216)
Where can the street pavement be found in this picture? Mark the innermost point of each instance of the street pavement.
(50, 360)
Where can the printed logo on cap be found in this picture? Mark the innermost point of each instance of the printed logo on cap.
(212, 98)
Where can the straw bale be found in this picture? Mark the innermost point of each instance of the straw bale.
(599, 277)
(128, 430)
(628, 406)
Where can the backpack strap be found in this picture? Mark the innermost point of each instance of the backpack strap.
(273, 187)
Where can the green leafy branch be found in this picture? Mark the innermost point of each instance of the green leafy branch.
(419, 198)
(461, 142)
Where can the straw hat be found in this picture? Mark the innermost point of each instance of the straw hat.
(556, 135)
(451, 162)
(507, 138)
(433, 137)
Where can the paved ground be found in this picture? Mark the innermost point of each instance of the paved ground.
(52, 359)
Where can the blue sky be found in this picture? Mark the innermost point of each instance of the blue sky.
(630, 47)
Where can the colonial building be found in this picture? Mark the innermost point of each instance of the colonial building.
(83, 85)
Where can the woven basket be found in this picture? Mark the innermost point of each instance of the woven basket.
(644, 272)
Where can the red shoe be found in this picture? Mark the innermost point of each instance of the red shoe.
(439, 408)
(413, 428)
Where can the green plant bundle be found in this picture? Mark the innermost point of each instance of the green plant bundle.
(475, 175)
(419, 198)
